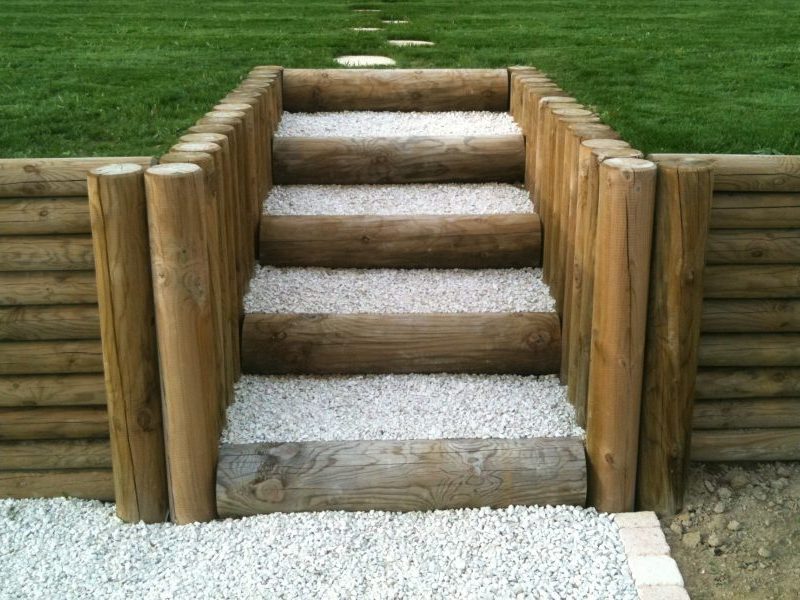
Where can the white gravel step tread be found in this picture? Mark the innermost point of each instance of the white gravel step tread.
(78, 549)
(395, 124)
(397, 407)
(412, 199)
(322, 290)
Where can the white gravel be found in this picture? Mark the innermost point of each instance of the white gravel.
(398, 407)
(321, 290)
(392, 124)
(70, 549)
(413, 199)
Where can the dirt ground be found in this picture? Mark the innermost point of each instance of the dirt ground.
(739, 534)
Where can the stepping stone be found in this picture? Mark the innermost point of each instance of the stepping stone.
(410, 43)
(364, 61)
(367, 10)
(367, 28)
(395, 22)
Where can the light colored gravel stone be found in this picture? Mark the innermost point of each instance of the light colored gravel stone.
(413, 199)
(364, 61)
(320, 290)
(393, 124)
(70, 549)
(398, 407)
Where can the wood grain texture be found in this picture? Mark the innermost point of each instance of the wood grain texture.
(31, 358)
(46, 253)
(749, 350)
(753, 247)
(747, 383)
(43, 216)
(746, 444)
(399, 475)
(525, 343)
(90, 484)
(453, 159)
(752, 281)
(48, 287)
(52, 390)
(751, 316)
(737, 210)
(747, 413)
(57, 322)
(750, 172)
(422, 241)
(52, 454)
(53, 423)
(313, 90)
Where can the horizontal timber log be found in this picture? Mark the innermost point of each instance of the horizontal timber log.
(31, 358)
(524, 343)
(55, 454)
(42, 216)
(52, 390)
(751, 281)
(46, 253)
(424, 241)
(746, 444)
(749, 172)
(48, 287)
(399, 475)
(53, 423)
(747, 413)
(749, 350)
(341, 160)
(56, 322)
(735, 210)
(747, 383)
(91, 484)
(751, 316)
(22, 177)
(753, 246)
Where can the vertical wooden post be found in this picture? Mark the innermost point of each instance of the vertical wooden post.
(683, 207)
(531, 94)
(130, 356)
(622, 273)
(187, 356)
(277, 72)
(515, 90)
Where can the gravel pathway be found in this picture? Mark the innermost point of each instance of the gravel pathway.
(321, 290)
(78, 549)
(412, 199)
(398, 407)
(392, 124)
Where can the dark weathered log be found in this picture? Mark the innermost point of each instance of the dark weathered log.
(57, 322)
(749, 350)
(43, 216)
(32, 358)
(46, 253)
(751, 316)
(736, 210)
(91, 484)
(746, 444)
(747, 413)
(55, 454)
(752, 281)
(48, 287)
(52, 390)
(53, 423)
(753, 247)
(747, 383)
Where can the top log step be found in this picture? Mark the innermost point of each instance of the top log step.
(748, 172)
(316, 90)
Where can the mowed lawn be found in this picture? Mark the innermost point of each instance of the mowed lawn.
(96, 77)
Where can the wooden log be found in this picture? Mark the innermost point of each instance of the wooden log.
(683, 206)
(517, 76)
(751, 316)
(42, 177)
(619, 317)
(424, 242)
(736, 210)
(399, 475)
(250, 105)
(58, 322)
(275, 73)
(752, 281)
(524, 343)
(315, 90)
(47, 287)
(53, 423)
(46, 253)
(747, 413)
(746, 444)
(130, 355)
(31, 358)
(52, 390)
(750, 350)
(91, 484)
(747, 383)
(187, 349)
(51, 454)
(750, 172)
(44, 216)
(753, 246)
(399, 160)
(540, 163)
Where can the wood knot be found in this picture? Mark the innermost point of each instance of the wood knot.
(365, 239)
(44, 212)
(269, 490)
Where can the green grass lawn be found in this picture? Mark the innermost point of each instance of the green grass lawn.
(96, 77)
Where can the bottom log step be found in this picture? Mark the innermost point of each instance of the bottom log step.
(399, 475)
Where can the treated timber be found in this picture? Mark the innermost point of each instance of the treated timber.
(749, 172)
(55, 454)
(749, 350)
(751, 281)
(43, 216)
(91, 484)
(53, 423)
(47, 287)
(57, 322)
(747, 413)
(747, 383)
(52, 390)
(399, 475)
(341, 160)
(40, 357)
(423, 241)
(313, 90)
(751, 316)
(524, 343)
(22, 177)
(753, 247)
(46, 253)
(735, 210)
(746, 444)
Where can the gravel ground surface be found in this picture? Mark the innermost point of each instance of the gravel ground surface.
(398, 407)
(321, 290)
(69, 549)
(412, 199)
(393, 124)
